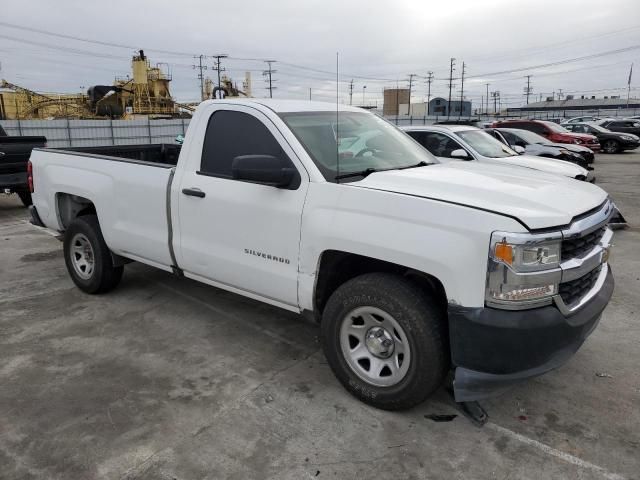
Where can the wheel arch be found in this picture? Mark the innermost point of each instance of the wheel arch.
(335, 267)
(70, 206)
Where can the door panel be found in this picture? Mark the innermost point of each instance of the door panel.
(241, 234)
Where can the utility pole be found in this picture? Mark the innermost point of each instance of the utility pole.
(461, 90)
(364, 87)
(411, 77)
(559, 94)
(487, 110)
(629, 84)
(200, 67)
(429, 80)
(268, 74)
(528, 90)
(218, 68)
(495, 95)
(309, 93)
(453, 62)
(351, 92)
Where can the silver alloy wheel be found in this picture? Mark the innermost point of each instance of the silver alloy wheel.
(375, 346)
(82, 257)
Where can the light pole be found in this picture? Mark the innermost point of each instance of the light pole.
(364, 87)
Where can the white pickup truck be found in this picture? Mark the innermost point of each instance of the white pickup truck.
(412, 267)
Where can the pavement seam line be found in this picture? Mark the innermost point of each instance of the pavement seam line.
(567, 457)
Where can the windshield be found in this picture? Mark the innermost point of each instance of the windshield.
(598, 128)
(485, 144)
(527, 136)
(365, 141)
(555, 127)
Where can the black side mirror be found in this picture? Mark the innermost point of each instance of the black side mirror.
(263, 169)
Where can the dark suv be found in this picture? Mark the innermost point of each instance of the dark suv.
(612, 142)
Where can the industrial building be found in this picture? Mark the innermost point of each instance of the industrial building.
(393, 98)
(438, 107)
(582, 103)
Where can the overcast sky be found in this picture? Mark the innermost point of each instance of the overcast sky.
(380, 44)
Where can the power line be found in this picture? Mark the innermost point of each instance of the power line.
(561, 62)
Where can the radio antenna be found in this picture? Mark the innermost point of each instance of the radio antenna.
(337, 123)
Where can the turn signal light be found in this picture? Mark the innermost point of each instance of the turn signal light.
(503, 251)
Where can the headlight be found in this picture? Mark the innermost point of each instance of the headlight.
(523, 270)
(577, 142)
(626, 137)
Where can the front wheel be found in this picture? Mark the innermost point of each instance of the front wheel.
(385, 340)
(611, 146)
(88, 258)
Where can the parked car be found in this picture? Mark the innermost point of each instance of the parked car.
(587, 118)
(612, 142)
(470, 143)
(410, 265)
(537, 145)
(552, 132)
(14, 154)
(622, 126)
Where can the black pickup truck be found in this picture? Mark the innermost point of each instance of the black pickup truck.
(14, 154)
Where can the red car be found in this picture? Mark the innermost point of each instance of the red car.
(552, 131)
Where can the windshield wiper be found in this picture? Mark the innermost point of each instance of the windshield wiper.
(419, 164)
(361, 173)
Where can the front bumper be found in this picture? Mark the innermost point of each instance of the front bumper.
(493, 349)
(593, 146)
(13, 181)
(629, 145)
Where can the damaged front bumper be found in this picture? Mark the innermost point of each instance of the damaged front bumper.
(493, 349)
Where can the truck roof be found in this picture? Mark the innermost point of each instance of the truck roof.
(282, 106)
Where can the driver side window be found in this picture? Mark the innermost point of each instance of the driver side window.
(440, 145)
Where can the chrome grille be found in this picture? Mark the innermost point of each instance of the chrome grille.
(571, 292)
(579, 246)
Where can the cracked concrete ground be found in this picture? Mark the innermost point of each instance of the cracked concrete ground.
(165, 379)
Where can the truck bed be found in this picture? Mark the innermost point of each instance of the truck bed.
(161, 153)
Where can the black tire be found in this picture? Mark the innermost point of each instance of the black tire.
(104, 275)
(424, 325)
(25, 197)
(611, 146)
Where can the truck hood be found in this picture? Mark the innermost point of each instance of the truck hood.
(537, 199)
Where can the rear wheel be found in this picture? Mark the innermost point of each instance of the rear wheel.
(88, 258)
(25, 197)
(384, 339)
(611, 146)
